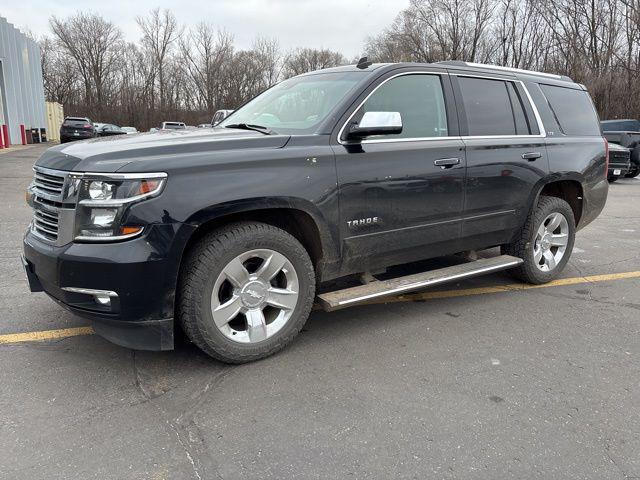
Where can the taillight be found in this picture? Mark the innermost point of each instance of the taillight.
(86, 125)
(606, 157)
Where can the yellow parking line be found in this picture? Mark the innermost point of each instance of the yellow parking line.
(45, 335)
(514, 287)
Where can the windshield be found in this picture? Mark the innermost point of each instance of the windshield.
(297, 105)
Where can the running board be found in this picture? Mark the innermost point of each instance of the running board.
(351, 296)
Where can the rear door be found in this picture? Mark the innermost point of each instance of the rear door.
(506, 156)
(401, 195)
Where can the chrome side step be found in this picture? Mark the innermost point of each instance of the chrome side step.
(351, 296)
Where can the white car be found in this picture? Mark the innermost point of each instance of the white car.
(173, 126)
(129, 130)
(219, 116)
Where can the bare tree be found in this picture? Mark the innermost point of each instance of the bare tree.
(170, 75)
(160, 31)
(306, 59)
(94, 53)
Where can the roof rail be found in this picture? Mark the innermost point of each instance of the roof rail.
(459, 63)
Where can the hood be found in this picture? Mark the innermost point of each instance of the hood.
(614, 147)
(110, 154)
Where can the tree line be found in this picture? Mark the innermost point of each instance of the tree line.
(186, 73)
(172, 73)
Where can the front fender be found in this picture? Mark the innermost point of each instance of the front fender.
(218, 211)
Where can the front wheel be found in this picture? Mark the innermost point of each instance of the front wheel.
(246, 290)
(633, 172)
(545, 242)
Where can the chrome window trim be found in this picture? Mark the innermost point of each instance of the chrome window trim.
(536, 114)
(381, 140)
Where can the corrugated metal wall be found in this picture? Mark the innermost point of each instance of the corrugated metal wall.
(21, 85)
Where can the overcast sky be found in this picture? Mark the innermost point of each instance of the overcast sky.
(342, 25)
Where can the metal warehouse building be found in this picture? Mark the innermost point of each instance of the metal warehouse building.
(22, 108)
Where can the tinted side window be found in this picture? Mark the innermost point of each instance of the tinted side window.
(573, 110)
(488, 106)
(519, 117)
(420, 101)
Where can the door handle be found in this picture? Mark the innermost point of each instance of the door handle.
(446, 162)
(531, 156)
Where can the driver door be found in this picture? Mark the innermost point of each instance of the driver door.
(401, 195)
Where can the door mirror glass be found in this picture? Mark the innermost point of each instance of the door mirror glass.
(377, 123)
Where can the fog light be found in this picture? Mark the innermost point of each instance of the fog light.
(104, 300)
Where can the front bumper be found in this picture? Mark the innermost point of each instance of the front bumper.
(138, 271)
(618, 169)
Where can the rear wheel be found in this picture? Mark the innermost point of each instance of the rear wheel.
(545, 242)
(246, 291)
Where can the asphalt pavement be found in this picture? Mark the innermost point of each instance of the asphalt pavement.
(481, 382)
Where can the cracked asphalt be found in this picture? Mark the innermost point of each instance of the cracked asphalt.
(541, 383)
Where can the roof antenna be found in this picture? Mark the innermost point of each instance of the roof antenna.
(364, 63)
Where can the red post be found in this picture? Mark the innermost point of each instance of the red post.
(5, 134)
(23, 134)
(1, 138)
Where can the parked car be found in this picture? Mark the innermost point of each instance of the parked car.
(627, 134)
(619, 162)
(129, 130)
(230, 233)
(205, 125)
(76, 128)
(219, 116)
(109, 130)
(173, 126)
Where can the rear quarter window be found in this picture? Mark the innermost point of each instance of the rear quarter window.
(573, 110)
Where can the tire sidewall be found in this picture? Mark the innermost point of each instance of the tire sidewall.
(545, 209)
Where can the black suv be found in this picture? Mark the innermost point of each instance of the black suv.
(346, 171)
(627, 134)
(76, 128)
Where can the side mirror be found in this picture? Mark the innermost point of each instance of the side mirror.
(376, 123)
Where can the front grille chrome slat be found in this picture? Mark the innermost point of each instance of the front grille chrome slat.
(48, 187)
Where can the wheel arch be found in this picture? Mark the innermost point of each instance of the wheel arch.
(297, 216)
(568, 187)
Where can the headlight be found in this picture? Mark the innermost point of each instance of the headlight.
(100, 190)
(103, 200)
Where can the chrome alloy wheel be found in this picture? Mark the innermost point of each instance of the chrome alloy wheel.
(254, 296)
(551, 242)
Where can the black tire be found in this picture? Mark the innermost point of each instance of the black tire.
(523, 243)
(202, 266)
(633, 173)
(612, 179)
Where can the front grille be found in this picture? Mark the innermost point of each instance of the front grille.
(619, 159)
(48, 185)
(45, 221)
(50, 207)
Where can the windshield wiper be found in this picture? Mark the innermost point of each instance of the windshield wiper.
(250, 126)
